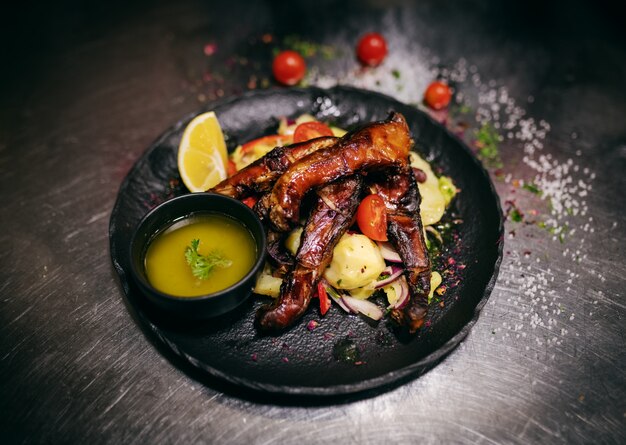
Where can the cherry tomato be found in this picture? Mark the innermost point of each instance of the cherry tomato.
(437, 95)
(311, 130)
(231, 168)
(323, 296)
(270, 141)
(371, 49)
(371, 217)
(289, 67)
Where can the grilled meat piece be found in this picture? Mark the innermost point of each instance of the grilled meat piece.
(332, 215)
(259, 177)
(376, 145)
(276, 251)
(398, 189)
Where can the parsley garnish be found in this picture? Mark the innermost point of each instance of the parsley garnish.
(516, 215)
(532, 188)
(487, 141)
(202, 265)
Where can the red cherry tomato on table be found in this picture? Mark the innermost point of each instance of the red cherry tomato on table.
(289, 67)
(437, 95)
(371, 217)
(311, 130)
(371, 49)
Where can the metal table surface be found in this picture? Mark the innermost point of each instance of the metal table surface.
(86, 89)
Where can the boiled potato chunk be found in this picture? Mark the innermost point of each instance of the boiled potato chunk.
(356, 262)
(433, 201)
(267, 285)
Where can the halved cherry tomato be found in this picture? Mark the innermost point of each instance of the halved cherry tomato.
(231, 168)
(289, 67)
(371, 217)
(250, 201)
(311, 130)
(270, 141)
(323, 296)
(437, 95)
(371, 49)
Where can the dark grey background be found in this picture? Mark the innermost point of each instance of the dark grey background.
(85, 89)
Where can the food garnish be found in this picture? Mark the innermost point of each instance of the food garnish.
(437, 95)
(289, 67)
(365, 176)
(202, 155)
(371, 49)
(311, 130)
(176, 263)
(203, 265)
(371, 216)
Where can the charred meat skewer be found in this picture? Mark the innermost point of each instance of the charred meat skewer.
(376, 145)
(260, 176)
(399, 191)
(332, 215)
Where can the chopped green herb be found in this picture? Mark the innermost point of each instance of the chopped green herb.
(308, 48)
(346, 350)
(487, 141)
(464, 109)
(332, 292)
(395, 73)
(202, 265)
(448, 190)
(516, 215)
(532, 188)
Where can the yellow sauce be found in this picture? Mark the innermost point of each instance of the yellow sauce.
(167, 268)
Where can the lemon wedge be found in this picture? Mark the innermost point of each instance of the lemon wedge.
(202, 155)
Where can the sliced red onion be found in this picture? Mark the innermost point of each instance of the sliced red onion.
(334, 295)
(340, 302)
(365, 307)
(388, 252)
(401, 287)
(393, 271)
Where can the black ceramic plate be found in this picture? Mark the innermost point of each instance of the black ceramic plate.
(302, 361)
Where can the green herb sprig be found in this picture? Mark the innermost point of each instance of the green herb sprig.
(202, 265)
(487, 142)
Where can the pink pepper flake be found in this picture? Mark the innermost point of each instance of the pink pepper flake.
(312, 325)
(254, 357)
(210, 49)
(285, 360)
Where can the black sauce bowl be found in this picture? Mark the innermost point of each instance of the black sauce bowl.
(176, 209)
